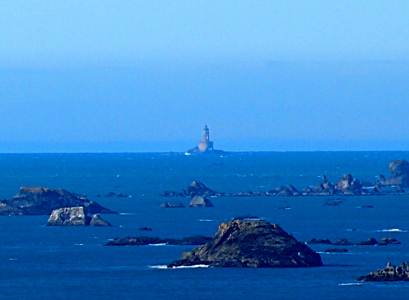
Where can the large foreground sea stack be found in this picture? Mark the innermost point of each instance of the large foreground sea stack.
(390, 273)
(251, 243)
(42, 201)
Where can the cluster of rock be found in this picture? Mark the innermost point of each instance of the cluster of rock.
(251, 243)
(344, 242)
(346, 185)
(390, 273)
(144, 240)
(74, 216)
(42, 201)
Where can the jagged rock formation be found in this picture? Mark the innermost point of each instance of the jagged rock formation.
(74, 216)
(199, 201)
(42, 201)
(399, 174)
(251, 243)
(390, 273)
(144, 240)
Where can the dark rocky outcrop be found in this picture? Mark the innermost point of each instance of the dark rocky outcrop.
(390, 273)
(42, 201)
(370, 242)
(74, 216)
(342, 242)
(172, 205)
(199, 201)
(144, 240)
(199, 188)
(320, 241)
(251, 243)
(399, 174)
(336, 250)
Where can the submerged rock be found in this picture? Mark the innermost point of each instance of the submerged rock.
(390, 273)
(251, 243)
(42, 201)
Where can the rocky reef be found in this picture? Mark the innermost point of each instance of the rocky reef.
(251, 243)
(199, 201)
(390, 273)
(347, 185)
(344, 242)
(42, 201)
(74, 216)
(145, 240)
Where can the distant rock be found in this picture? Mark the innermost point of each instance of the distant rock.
(96, 220)
(399, 174)
(199, 188)
(251, 243)
(199, 201)
(320, 241)
(144, 240)
(145, 229)
(388, 241)
(42, 201)
(342, 242)
(390, 273)
(115, 195)
(172, 205)
(347, 185)
(370, 242)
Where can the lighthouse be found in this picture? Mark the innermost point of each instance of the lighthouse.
(205, 144)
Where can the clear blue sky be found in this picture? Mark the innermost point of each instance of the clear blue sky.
(97, 75)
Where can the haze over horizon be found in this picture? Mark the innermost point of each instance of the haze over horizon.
(146, 76)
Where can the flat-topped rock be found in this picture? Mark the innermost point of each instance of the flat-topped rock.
(42, 201)
(251, 243)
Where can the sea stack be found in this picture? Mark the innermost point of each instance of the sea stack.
(251, 243)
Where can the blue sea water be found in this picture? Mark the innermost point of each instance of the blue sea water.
(39, 262)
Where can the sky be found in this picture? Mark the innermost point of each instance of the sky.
(146, 76)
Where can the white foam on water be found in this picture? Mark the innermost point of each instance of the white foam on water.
(392, 230)
(351, 284)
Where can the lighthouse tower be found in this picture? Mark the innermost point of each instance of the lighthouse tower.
(205, 144)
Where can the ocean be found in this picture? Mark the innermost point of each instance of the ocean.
(39, 262)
